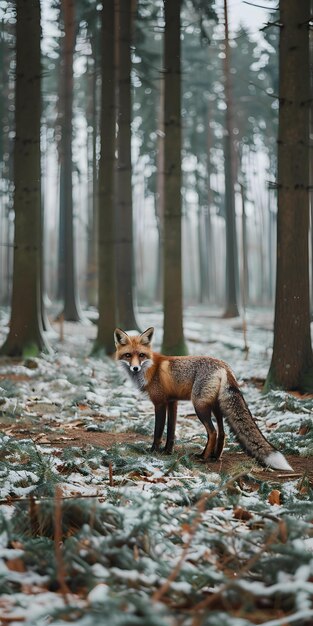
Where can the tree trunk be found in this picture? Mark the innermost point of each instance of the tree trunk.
(311, 251)
(245, 266)
(292, 360)
(207, 219)
(26, 333)
(106, 234)
(71, 309)
(271, 239)
(124, 208)
(173, 338)
(92, 228)
(159, 203)
(232, 271)
(203, 232)
(203, 254)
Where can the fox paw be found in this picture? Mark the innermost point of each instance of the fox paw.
(199, 456)
(167, 450)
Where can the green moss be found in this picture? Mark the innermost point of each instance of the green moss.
(307, 381)
(304, 383)
(270, 382)
(31, 349)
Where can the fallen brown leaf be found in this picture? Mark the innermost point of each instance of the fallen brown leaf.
(16, 565)
(275, 497)
(242, 514)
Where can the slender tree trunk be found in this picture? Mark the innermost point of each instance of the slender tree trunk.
(232, 271)
(311, 249)
(106, 234)
(245, 267)
(203, 278)
(211, 268)
(159, 205)
(71, 309)
(61, 241)
(207, 219)
(173, 338)
(91, 287)
(124, 208)
(292, 360)
(42, 281)
(203, 248)
(26, 333)
(271, 238)
(311, 160)
(2, 206)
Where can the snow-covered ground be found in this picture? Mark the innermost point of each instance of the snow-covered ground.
(224, 546)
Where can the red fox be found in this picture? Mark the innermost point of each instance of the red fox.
(211, 386)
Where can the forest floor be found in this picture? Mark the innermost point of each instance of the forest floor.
(78, 436)
(94, 529)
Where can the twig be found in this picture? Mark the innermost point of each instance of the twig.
(33, 515)
(110, 474)
(61, 320)
(11, 500)
(58, 544)
(244, 332)
(293, 475)
(8, 619)
(260, 6)
(269, 24)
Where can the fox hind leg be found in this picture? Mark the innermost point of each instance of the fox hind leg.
(204, 414)
(220, 431)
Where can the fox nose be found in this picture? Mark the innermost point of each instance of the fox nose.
(135, 368)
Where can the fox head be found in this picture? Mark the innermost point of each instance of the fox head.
(134, 350)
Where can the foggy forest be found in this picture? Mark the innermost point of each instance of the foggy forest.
(156, 246)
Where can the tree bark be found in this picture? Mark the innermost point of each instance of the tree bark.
(173, 338)
(232, 271)
(159, 202)
(106, 234)
(245, 266)
(124, 208)
(208, 227)
(71, 309)
(92, 227)
(203, 252)
(26, 333)
(292, 360)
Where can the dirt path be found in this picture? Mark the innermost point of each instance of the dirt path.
(76, 435)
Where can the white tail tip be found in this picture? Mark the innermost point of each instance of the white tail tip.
(276, 460)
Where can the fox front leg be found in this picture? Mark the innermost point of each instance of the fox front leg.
(159, 424)
(171, 427)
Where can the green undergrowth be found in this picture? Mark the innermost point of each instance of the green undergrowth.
(151, 540)
(117, 555)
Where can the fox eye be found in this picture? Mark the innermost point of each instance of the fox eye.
(127, 355)
(142, 355)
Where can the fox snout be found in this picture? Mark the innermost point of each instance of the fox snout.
(135, 368)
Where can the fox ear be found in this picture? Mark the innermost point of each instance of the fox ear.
(120, 337)
(146, 337)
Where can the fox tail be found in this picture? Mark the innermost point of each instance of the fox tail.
(245, 429)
